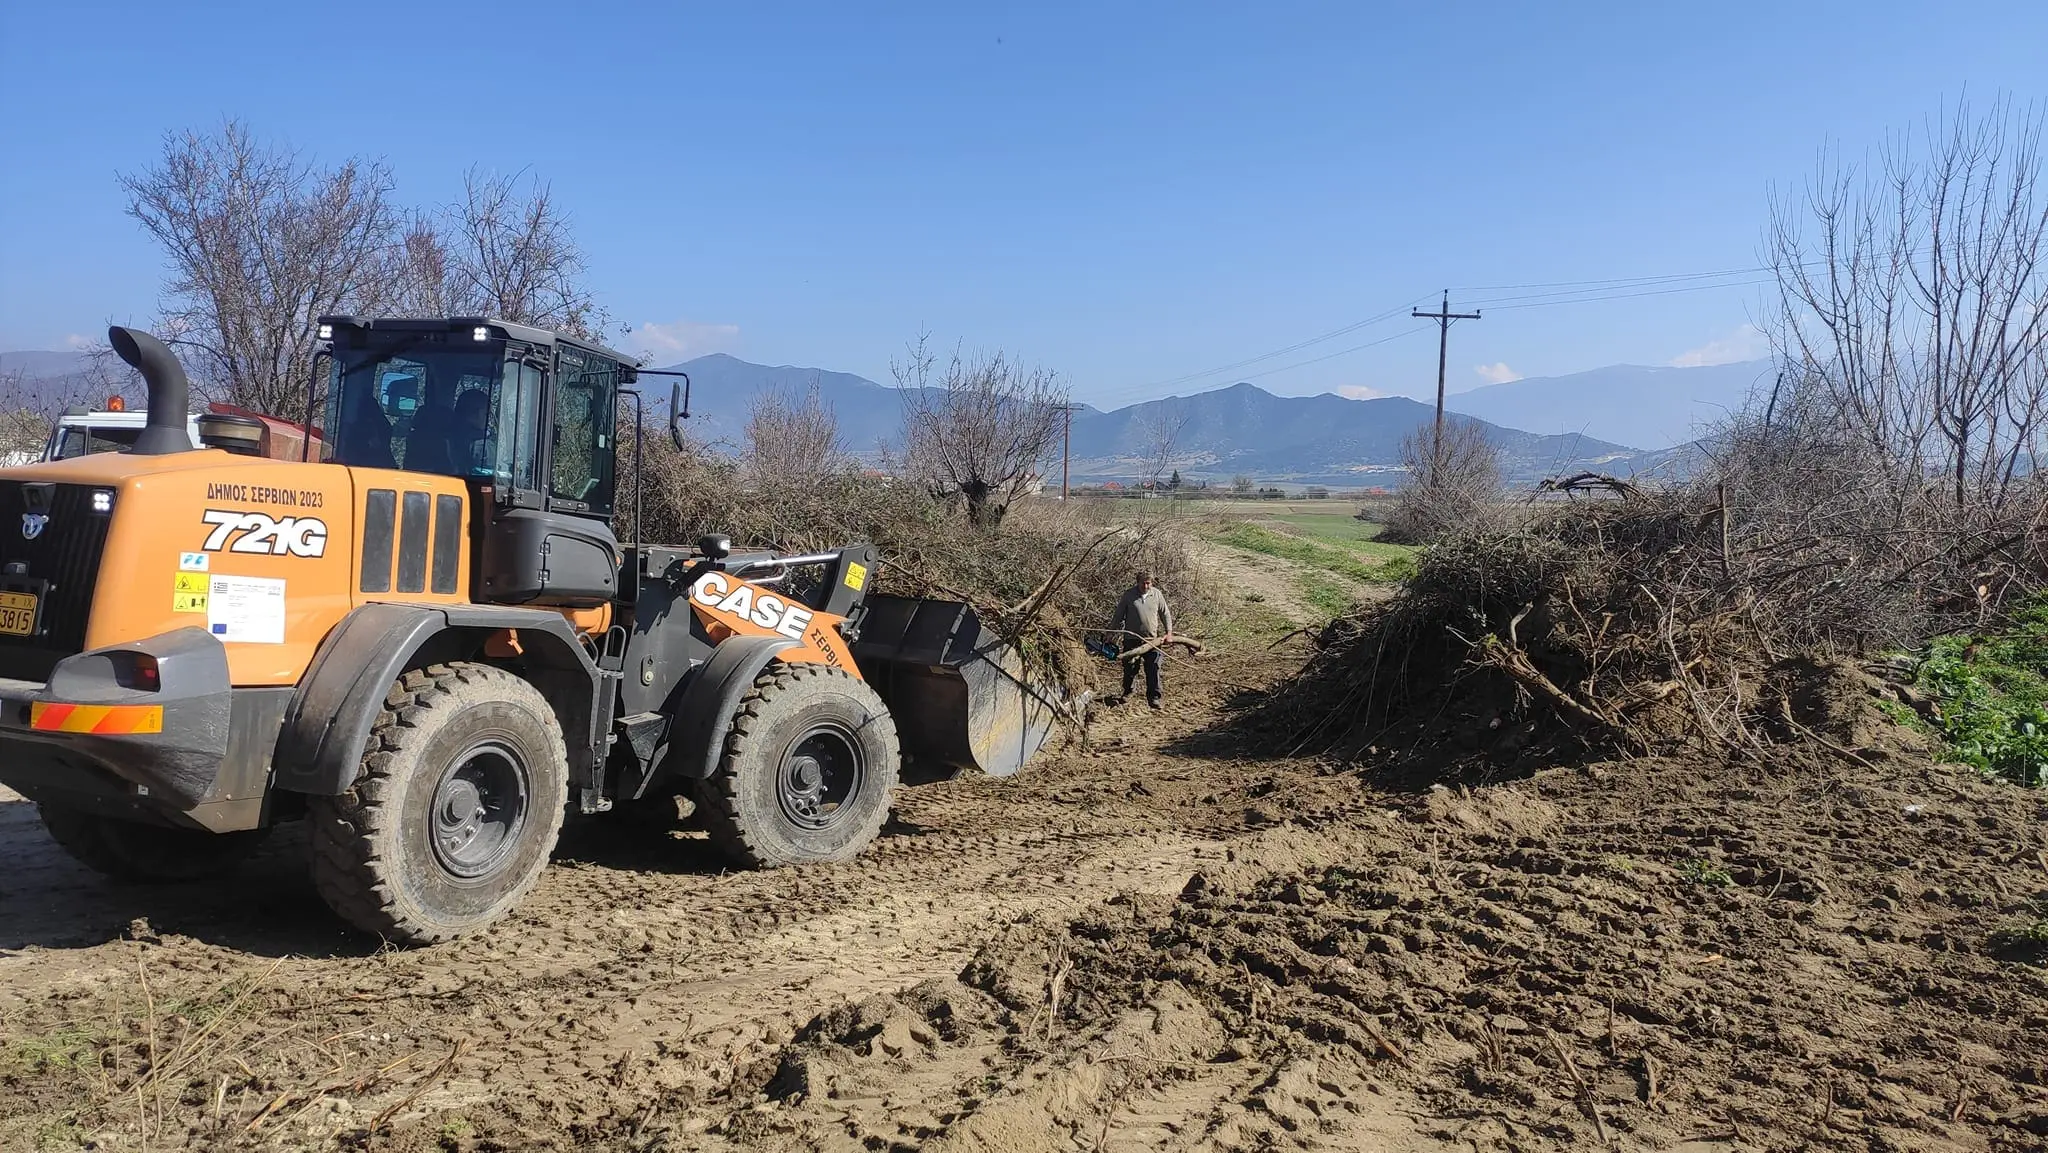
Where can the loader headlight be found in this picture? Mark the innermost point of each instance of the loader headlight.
(479, 333)
(327, 332)
(103, 500)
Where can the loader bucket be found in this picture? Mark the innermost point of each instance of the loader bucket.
(959, 695)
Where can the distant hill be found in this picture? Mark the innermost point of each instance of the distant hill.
(1638, 405)
(40, 364)
(723, 388)
(1322, 439)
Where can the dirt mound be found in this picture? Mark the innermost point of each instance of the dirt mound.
(1658, 954)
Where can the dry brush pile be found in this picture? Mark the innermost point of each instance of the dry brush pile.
(1610, 616)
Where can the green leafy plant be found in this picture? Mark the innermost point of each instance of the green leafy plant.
(1706, 873)
(1992, 698)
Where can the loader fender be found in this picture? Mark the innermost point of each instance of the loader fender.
(320, 747)
(697, 731)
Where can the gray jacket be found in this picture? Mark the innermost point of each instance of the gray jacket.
(1144, 613)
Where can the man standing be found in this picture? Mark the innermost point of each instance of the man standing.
(1143, 616)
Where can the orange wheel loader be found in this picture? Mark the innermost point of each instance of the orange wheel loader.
(427, 642)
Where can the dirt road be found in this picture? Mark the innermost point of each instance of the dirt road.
(1163, 942)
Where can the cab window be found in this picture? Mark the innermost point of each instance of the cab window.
(580, 475)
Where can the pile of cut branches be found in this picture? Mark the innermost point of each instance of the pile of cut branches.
(1644, 617)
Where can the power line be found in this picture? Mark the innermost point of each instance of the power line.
(1614, 281)
(1560, 292)
(1338, 353)
(1631, 295)
(1297, 346)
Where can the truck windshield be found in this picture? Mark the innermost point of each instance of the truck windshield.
(452, 410)
(81, 440)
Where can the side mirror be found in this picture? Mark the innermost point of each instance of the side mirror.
(717, 546)
(678, 409)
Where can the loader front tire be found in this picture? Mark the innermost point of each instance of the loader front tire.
(455, 809)
(142, 854)
(808, 768)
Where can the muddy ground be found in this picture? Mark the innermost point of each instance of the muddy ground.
(1166, 941)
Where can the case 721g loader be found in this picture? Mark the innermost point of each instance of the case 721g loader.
(430, 643)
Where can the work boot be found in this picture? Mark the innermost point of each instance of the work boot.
(1154, 702)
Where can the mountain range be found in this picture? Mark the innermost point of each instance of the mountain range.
(1619, 419)
(1585, 421)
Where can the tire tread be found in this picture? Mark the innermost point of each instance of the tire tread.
(348, 871)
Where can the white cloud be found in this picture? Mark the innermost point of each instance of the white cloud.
(77, 343)
(682, 339)
(1360, 392)
(1745, 343)
(1496, 373)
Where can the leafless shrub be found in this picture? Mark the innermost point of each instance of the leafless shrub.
(1913, 303)
(24, 424)
(1451, 482)
(976, 429)
(792, 439)
(1162, 430)
(260, 242)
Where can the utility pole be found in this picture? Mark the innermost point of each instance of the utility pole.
(1443, 317)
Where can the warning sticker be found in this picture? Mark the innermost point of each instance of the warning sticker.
(856, 575)
(191, 562)
(189, 592)
(246, 610)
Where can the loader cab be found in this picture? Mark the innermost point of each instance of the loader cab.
(523, 416)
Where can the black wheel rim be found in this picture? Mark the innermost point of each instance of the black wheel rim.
(479, 810)
(821, 775)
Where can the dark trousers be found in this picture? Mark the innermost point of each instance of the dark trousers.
(1151, 662)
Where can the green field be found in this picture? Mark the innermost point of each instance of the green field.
(1360, 560)
(1335, 553)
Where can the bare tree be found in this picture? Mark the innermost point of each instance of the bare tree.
(1160, 431)
(260, 242)
(420, 271)
(1913, 303)
(1452, 481)
(792, 438)
(505, 251)
(977, 428)
(24, 423)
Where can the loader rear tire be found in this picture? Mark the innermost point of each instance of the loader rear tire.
(146, 854)
(455, 810)
(809, 765)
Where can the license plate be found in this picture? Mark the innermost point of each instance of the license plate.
(18, 614)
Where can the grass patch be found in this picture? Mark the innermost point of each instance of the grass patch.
(1331, 526)
(65, 1047)
(1992, 697)
(1326, 597)
(1361, 561)
(1253, 623)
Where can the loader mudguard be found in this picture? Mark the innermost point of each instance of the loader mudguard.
(697, 732)
(320, 747)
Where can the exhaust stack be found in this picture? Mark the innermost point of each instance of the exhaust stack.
(169, 392)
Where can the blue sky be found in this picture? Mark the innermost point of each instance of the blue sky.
(1135, 194)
